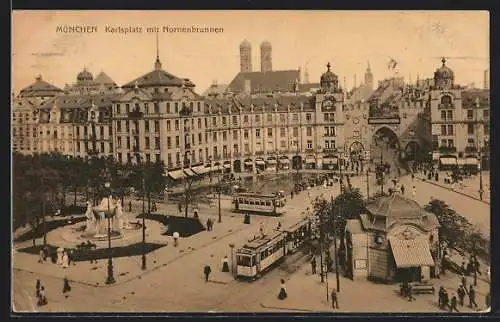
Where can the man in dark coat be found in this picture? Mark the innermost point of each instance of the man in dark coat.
(313, 266)
(472, 297)
(207, 270)
(453, 304)
(335, 300)
(461, 295)
(441, 297)
(66, 287)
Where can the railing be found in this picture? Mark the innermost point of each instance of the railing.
(447, 149)
(470, 149)
(334, 150)
(447, 105)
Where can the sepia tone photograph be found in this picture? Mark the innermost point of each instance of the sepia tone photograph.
(250, 161)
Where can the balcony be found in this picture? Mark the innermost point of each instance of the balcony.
(448, 105)
(447, 149)
(135, 114)
(329, 150)
(470, 149)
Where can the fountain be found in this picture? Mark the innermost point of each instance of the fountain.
(97, 220)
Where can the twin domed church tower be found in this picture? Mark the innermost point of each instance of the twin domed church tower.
(266, 60)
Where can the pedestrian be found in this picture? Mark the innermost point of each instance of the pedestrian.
(335, 301)
(208, 224)
(291, 194)
(446, 300)
(282, 294)
(38, 286)
(225, 264)
(180, 207)
(66, 287)
(472, 297)
(261, 229)
(413, 192)
(464, 280)
(410, 293)
(403, 190)
(42, 299)
(40, 257)
(441, 297)
(412, 177)
(313, 266)
(207, 270)
(461, 295)
(130, 206)
(453, 305)
(154, 206)
(176, 238)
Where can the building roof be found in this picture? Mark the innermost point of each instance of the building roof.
(104, 79)
(470, 97)
(215, 89)
(265, 82)
(395, 206)
(79, 101)
(40, 88)
(156, 77)
(411, 252)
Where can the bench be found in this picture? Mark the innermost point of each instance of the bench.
(419, 288)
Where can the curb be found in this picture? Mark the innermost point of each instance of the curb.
(456, 191)
(146, 272)
(285, 308)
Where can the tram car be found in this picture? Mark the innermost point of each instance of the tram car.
(262, 252)
(259, 203)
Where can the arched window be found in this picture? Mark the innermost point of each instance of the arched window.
(446, 100)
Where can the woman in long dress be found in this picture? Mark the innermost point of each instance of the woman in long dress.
(42, 300)
(282, 295)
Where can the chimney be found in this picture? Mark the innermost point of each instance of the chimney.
(248, 87)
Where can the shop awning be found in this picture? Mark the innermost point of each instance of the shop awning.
(448, 161)
(310, 160)
(471, 161)
(249, 163)
(284, 160)
(227, 166)
(271, 161)
(411, 252)
(461, 161)
(260, 162)
(190, 172)
(201, 169)
(217, 167)
(176, 174)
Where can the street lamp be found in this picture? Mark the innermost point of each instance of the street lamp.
(231, 245)
(144, 266)
(110, 279)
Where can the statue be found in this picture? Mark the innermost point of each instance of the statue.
(122, 218)
(90, 218)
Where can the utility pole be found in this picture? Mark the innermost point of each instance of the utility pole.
(335, 246)
(218, 195)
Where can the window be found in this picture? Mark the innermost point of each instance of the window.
(177, 142)
(283, 144)
(157, 126)
(146, 125)
(199, 110)
(118, 109)
(147, 142)
(214, 136)
(168, 108)
(355, 134)
(119, 142)
(257, 133)
(127, 107)
(146, 109)
(157, 143)
(446, 100)
(295, 132)
(214, 121)
(486, 129)
(200, 138)
(309, 144)
(177, 158)
(443, 142)
(245, 119)
(443, 115)
(450, 143)
(224, 120)
(486, 114)
(282, 132)
(215, 152)
(118, 127)
(199, 123)
(206, 137)
(470, 114)
(257, 118)
(247, 148)
(269, 132)
(157, 108)
(128, 142)
(470, 142)
(177, 125)
(235, 120)
(245, 134)
(224, 136)
(309, 131)
(169, 142)
(327, 144)
(235, 148)
(449, 115)
(470, 128)
(102, 147)
(235, 134)
(168, 126)
(450, 129)
(176, 107)
(308, 117)
(269, 117)
(443, 129)
(295, 117)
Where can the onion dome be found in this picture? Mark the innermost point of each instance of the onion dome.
(245, 45)
(84, 76)
(444, 76)
(329, 80)
(265, 45)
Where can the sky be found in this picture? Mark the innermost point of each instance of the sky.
(300, 39)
